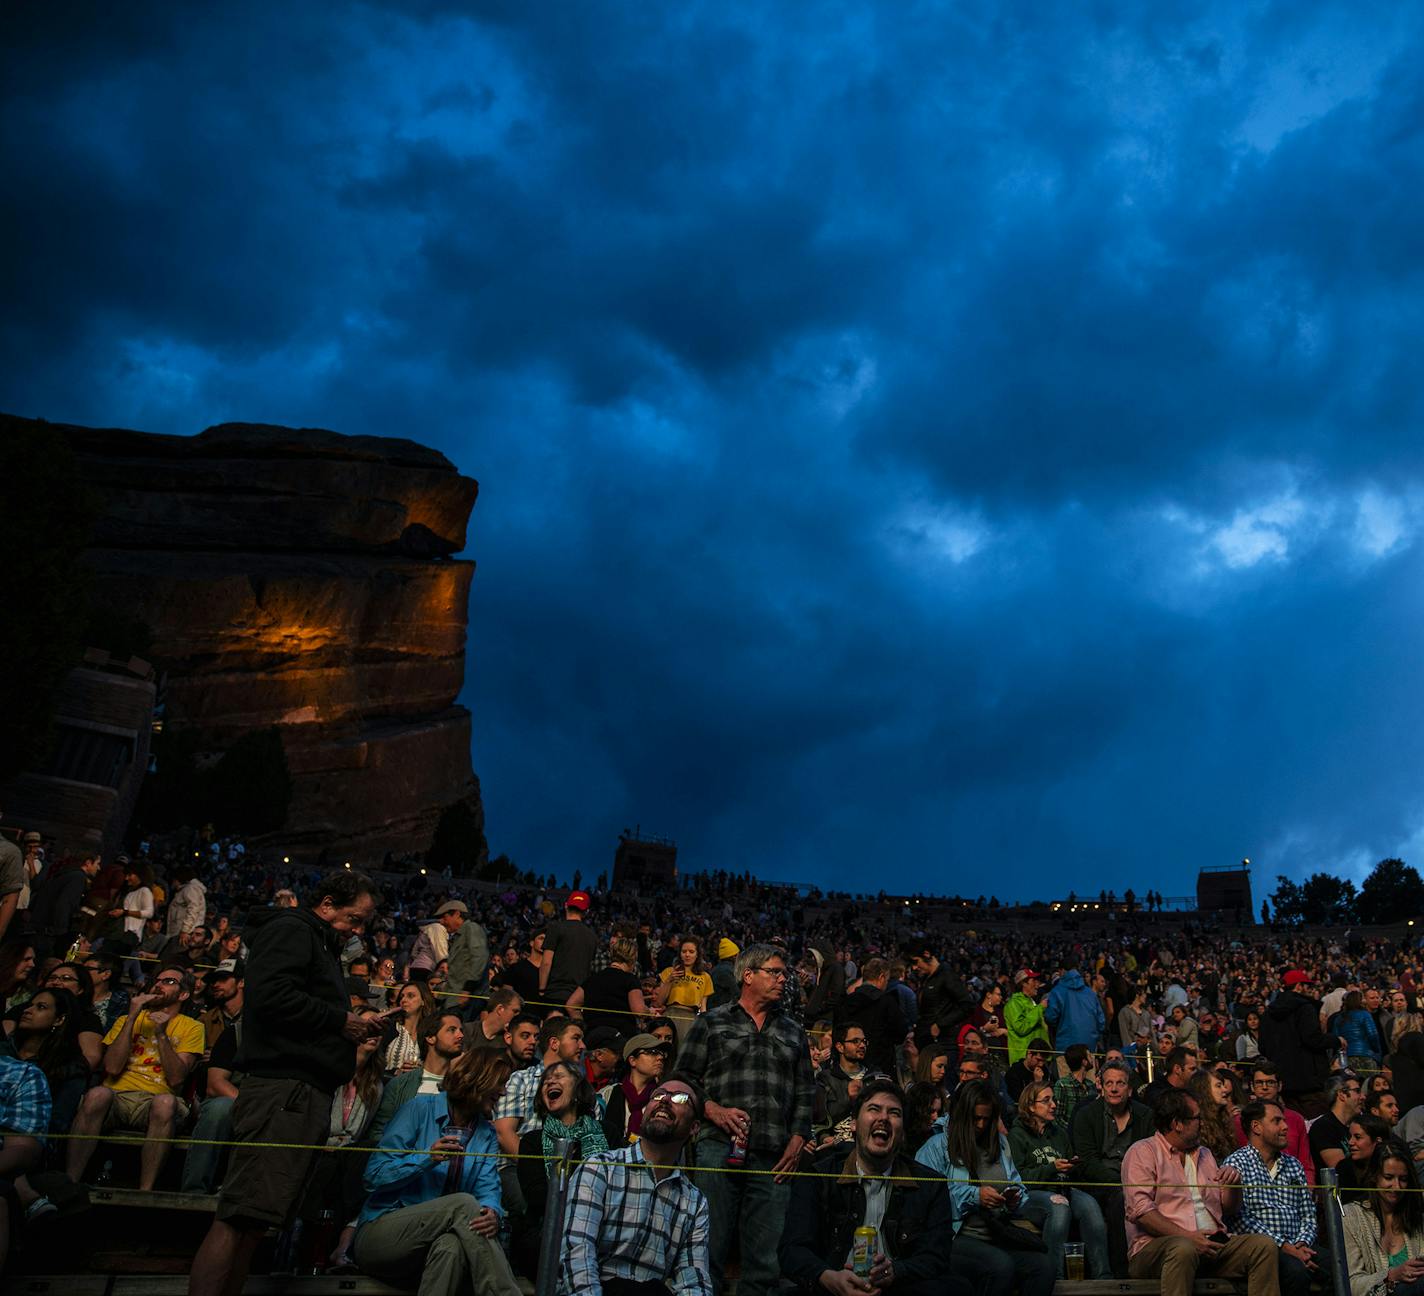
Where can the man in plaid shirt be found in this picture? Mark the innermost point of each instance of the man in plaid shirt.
(1276, 1198)
(754, 1064)
(1072, 1090)
(636, 1224)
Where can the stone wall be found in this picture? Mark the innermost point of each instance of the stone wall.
(303, 579)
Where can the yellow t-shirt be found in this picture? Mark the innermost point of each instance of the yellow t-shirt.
(144, 1073)
(687, 991)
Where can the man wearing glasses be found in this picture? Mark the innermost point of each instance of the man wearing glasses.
(754, 1064)
(148, 1054)
(635, 1221)
(1266, 1087)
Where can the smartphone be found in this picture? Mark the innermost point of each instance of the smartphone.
(1220, 1238)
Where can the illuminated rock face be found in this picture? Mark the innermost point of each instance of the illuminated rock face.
(299, 578)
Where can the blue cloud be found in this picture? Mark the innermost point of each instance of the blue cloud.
(952, 442)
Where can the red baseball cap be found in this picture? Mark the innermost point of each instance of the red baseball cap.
(577, 900)
(1296, 977)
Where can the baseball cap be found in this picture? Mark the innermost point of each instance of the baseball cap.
(1297, 977)
(643, 1044)
(1026, 974)
(227, 968)
(727, 949)
(577, 900)
(603, 1037)
(32, 839)
(453, 906)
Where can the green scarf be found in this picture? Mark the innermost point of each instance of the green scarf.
(586, 1132)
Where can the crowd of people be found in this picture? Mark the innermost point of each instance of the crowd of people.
(749, 1077)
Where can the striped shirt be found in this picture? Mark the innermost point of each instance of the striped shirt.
(624, 1223)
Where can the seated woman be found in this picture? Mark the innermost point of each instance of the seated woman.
(77, 979)
(623, 1101)
(1367, 1134)
(1384, 1235)
(563, 1108)
(404, 1050)
(47, 1034)
(1213, 1095)
(969, 1149)
(1044, 1159)
(434, 1210)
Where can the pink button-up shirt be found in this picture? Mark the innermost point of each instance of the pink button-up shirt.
(1154, 1177)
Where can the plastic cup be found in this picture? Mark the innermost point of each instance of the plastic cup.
(1073, 1261)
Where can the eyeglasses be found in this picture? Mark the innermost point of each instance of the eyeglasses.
(677, 1097)
(778, 973)
(171, 981)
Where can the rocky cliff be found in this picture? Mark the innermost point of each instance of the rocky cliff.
(303, 579)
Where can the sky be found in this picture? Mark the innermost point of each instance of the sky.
(969, 448)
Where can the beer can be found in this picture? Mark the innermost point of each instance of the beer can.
(862, 1251)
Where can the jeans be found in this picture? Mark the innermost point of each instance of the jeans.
(1295, 1278)
(996, 1273)
(1110, 1203)
(1074, 1204)
(752, 1207)
(200, 1169)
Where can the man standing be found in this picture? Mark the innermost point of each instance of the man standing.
(945, 1004)
(569, 948)
(1073, 1012)
(754, 1063)
(12, 881)
(1330, 1135)
(1291, 1037)
(189, 906)
(636, 1225)
(298, 1047)
(1275, 1197)
(877, 1014)
(1101, 1133)
(469, 958)
(432, 946)
(54, 908)
(487, 1031)
(1023, 1015)
(1177, 1200)
(876, 1186)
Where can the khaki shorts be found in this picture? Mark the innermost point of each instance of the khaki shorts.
(264, 1184)
(130, 1109)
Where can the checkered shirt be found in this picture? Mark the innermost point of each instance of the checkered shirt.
(1070, 1094)
(518, 1099)
(24, 1099)
(1268, 1205)
(623, 1223)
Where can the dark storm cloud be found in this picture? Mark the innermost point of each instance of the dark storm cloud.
(911, 436)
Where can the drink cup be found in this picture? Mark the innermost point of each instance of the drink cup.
(1073, 1261)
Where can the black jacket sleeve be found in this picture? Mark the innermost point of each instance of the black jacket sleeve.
(800, 1260)
(278, 977)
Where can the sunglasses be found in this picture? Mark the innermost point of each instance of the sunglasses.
(675, 1096)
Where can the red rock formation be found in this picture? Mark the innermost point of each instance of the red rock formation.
(301, 578)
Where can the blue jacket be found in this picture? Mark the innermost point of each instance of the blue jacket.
(1074, 1012)
(1358, 1031)
(963, 1195)
(401, 1171)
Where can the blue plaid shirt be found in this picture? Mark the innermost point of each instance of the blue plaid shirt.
(1269, 1206)
(623, 1223)
(24, 1099)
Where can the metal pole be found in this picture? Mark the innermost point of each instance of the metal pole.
(553, 1232)
(1335, 1232)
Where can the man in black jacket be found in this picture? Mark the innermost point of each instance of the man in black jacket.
(298, 1047)
(877, 1013)
(1101, 1132)
(877, 1185)
(1291, 1037)
(945, 1004)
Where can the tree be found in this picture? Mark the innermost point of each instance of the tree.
(459, 841)
(1322, 900)
(1392, 892)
